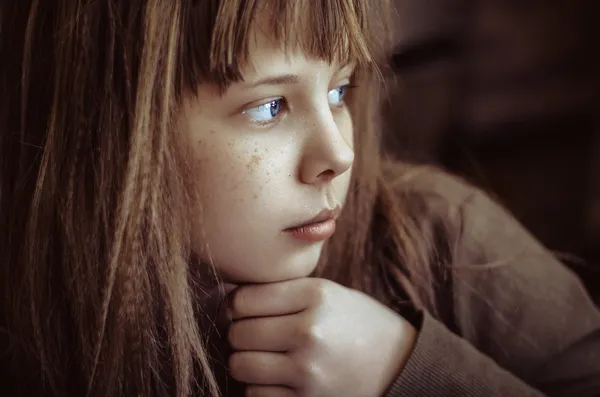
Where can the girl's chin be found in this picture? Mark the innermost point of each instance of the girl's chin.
(270, 275)
(293, 265)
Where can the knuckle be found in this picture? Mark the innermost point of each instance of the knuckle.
(237, 365)
(318, 290)
(309, 373)
(238, 302)
(310, 335)
(235, 335)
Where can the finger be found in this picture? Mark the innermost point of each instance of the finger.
(275, 299)
(262, 368)
(274, 334)
(269, 391)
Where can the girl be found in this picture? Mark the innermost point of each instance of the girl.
(155, 155)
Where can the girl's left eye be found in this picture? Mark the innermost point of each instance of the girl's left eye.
(336, 96)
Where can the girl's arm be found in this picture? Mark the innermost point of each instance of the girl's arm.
(523, 323)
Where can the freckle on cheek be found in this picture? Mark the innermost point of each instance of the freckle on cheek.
(254, 162)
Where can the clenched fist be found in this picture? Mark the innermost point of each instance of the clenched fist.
(311, 337)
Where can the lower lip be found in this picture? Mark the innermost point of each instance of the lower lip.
(314, 232)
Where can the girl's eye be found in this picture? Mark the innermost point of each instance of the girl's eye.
(336, 96)
(266, 112)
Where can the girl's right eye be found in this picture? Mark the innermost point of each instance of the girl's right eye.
(265, 113)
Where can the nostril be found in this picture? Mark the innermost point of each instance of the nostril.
(327, 175)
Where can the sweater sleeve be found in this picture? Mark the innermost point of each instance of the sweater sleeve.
(443, 364)
(523, 323)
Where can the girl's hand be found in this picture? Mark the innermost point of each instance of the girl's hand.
(312, 337)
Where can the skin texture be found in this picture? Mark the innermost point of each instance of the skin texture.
(258, 179)
(292, 335)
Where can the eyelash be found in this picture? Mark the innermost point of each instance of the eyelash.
(284, 106)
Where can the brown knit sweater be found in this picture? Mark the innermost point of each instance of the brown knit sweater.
(523, 325)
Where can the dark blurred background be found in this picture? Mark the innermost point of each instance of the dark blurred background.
(507, 94)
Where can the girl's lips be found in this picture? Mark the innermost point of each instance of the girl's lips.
(314, 232)
(322, 216)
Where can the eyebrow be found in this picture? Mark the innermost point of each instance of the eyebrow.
(289, 78)
(277, 80)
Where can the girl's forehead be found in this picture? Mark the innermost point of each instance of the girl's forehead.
(265, 49)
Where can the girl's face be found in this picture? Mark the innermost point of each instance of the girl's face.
(273, 151)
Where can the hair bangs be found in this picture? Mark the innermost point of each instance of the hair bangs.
(330, 30)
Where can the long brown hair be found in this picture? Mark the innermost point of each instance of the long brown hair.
(97, 297)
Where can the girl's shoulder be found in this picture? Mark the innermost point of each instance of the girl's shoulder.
(479, 225)
(510, 300)
(428, 184)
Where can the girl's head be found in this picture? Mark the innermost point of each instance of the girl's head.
(273, 148)
(137, 135)
(267, 118)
